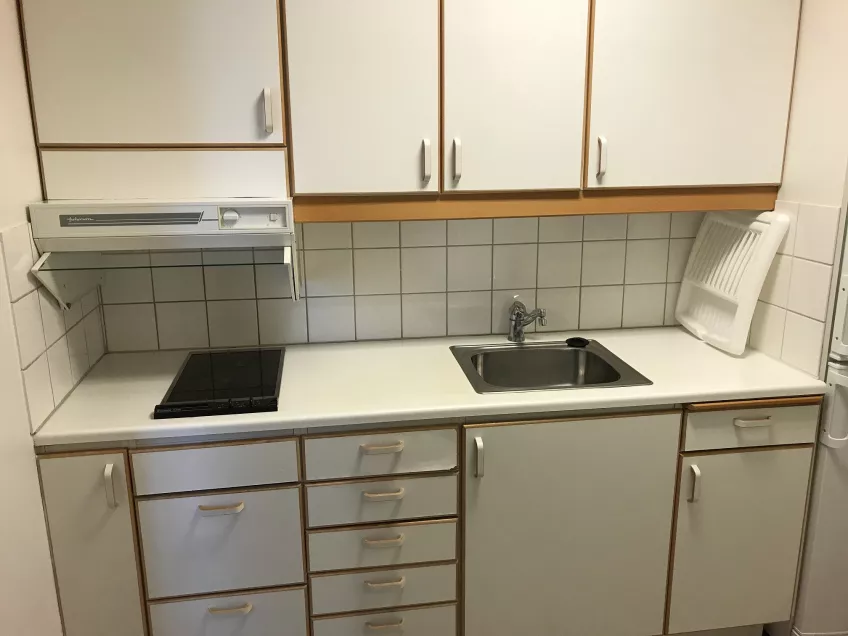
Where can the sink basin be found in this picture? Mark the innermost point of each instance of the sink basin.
(543, 366)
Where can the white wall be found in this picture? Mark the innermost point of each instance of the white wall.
(27, 591)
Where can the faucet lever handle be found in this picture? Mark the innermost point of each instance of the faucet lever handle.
(543, 317)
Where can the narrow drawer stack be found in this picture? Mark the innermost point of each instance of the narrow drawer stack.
(382, 532)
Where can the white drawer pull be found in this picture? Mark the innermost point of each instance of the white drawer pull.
(109, 485)
(213, 511)
(384, 449)
(384, 496)
(754, 422)
(398, 625)
(384, 543)
(385, 585)
(695, 495)
(227, 611)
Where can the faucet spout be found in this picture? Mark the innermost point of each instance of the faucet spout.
(519, 318)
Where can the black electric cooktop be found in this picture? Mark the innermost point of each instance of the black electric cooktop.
(221, 382)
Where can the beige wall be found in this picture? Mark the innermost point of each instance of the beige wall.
(27, 591)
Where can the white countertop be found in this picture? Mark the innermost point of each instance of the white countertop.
(403, 380)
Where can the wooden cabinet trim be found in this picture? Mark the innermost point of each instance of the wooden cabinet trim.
(745, 449)
(202, 445)
(381, 525)
(801, 400)
(217, 491)
(575, 417)
(382, 431)
(256, 590)
(385, 610)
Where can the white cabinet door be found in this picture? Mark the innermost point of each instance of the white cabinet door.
(690, 93)
(91, 534)
(514, 75)
(364, 95)
(738, 538)
(568, 529)
(155, 72)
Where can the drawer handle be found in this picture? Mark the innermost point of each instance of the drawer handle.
(109, 485)
(214, 511)
(753, 422)
(385, 543)
(385, 585)
(384, 496)
(398, 625)
(227, 611)
(695, 493)
(378, 449)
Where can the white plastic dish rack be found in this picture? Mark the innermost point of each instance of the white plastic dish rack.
(725, 273)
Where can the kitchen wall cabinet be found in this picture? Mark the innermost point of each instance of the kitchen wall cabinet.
(569, 522)
(158, 72)
(514, 90)
(91, 535)
(690, 93)
(364, 95)
(738, 538)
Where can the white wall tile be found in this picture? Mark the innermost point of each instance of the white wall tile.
(125, 259)
(90, 301)
(776, 286)
(179, 283)
(603, 263)
(790, 209)
(326, 236)
(376, 271)
(61, 379)
(469, 313)
(18, 256)
(686, 224)
(73, 315)
(672, 291)
(331, 319)
(282, 321)
(678, 257)
(560, 229)
(268, 255)
(767, 329)
(424, 315)
(809, 288)
(39, 393)
(470, 232)
(376, 234)
(815, 235)
(272, 281)
(470, 268)
(521, 230)
(329, 273)
(649, 226)
(802, 343)
(559, 264)
(647, 261)
(52, 317)
(227, 257)
(644, 305)
(605, 227)
(423, 233)
(128, 285)
(94, 338)
(130, 327)
(600, 307)
(229, 282)
(514, 266)
(562, 307)
(233, 323)
(31, 343)
(173, 259)
(378, 317)
(78, 352)
(423, 269)
(182, 325)
(501, 302)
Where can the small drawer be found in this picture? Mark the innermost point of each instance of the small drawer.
(281, 612)
(385, 588)
(767, 426)
(420, 542)
(195, 545)
(386, 453)
(429, 621)
(374, 501)
(214, 467)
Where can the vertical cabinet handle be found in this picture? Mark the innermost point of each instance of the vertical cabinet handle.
(457, 158)
(602, 156)
(695, 494)
(381, 449)
(109, 485)
(752, 422)
(479, 463)
(229, 611)
(269, 110)
(426, 161)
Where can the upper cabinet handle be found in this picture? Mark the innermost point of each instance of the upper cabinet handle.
(754, 422)
(223, 611)
(109, 485)
(479, 466)
(377, 449)
(269, 110)
(602, 156)
(457, 158)
(695, 495)
(213, 511)
(426, 160)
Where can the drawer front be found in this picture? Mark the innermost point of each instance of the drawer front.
(430, 621)
(386, 588)
(738, 428)
(195, 545)
(282, 612)
(374, 501)
(387, 453)
(215, 467)
(386, 546)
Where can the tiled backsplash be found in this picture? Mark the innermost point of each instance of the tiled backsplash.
(386, 280)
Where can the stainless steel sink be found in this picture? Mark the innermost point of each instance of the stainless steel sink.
(543, 366)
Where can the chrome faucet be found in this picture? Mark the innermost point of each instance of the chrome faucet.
(519, 318)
